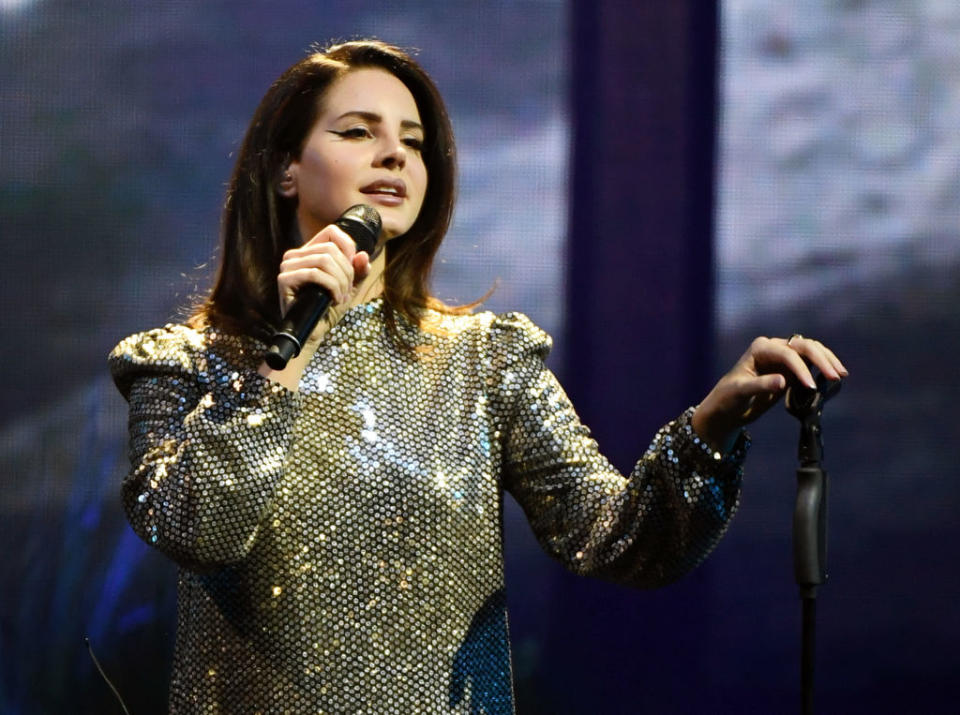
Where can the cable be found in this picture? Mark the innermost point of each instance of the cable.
(104, 675)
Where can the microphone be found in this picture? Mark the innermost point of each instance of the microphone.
(362, 224)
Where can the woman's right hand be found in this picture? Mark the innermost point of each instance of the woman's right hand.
(330, 259)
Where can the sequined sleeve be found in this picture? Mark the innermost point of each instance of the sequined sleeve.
(647, 529)
(208, 436)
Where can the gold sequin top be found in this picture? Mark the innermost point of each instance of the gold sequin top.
(340, 547)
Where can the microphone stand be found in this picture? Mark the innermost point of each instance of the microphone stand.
(810, 518)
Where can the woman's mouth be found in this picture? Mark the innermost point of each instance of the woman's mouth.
(390, 192)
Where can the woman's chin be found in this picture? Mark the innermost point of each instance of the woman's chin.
(392, 230)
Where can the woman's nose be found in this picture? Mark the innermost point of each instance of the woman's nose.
(394, 156)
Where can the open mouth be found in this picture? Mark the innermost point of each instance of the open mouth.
(395, 189)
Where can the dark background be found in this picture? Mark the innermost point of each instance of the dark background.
(699, 174)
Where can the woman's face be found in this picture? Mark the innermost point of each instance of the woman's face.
(363, 149)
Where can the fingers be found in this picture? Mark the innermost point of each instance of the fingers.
(791, 357)
(773, 383)
(767, 387)
(324, 265)
(361, 265)
(338, 237)
(820, 355)
(332, 241)
(774, 355)
(329, 259)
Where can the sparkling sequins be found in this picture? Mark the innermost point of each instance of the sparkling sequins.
(341, 546)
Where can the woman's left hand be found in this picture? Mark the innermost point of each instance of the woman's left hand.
(756, 382)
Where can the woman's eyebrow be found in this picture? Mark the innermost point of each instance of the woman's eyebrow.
(376, 118)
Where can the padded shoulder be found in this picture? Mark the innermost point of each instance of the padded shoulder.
(180, 349)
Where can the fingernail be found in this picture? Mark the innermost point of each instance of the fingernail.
(811, 384)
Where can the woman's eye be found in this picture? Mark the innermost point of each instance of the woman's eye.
(354, 133)
(414, 143)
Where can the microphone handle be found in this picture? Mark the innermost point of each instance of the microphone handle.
(311, 303)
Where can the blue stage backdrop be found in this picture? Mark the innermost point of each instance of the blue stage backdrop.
(654, 183)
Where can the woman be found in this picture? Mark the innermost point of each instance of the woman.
(337, 523)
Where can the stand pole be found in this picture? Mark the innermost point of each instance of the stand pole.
(807, 655)
(810, 520)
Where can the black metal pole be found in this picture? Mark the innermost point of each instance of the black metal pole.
(807, 655)
(810, 520)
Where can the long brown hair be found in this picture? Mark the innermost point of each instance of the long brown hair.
(257, 221)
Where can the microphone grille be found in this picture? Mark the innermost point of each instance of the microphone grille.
(362, 223)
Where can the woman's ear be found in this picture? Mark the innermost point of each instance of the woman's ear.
(287, 185)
